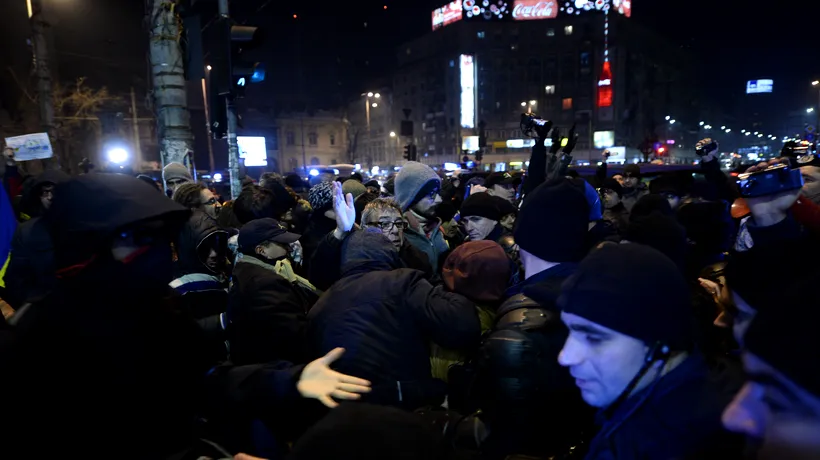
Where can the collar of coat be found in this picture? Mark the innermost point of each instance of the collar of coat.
(282, 268)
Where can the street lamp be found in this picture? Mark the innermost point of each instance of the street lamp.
(672, 121)
(668, 118)
(810, 110)
(392, 134)
(377, 95)
(208, 67)
(370, 94)
(533, 102)
(728, 130)
(723, 127)
(702, 123)
(815, 83)
(117, 155)
(374, 105)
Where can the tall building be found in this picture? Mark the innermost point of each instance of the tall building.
(310, 139)
(578, 63)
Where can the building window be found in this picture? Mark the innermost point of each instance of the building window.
(549, 89)
(566, 103)
(290, 138)
(550, 32)
(513, 47)
(585, 59)
(568, 30)
(480, 34)
(314, 161)
(313, 139)
(332, 138)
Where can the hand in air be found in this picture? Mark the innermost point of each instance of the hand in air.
(344, 208)
(319, 381)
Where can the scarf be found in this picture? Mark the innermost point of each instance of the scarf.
(283, 269)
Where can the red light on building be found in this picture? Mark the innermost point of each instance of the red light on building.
(605, 87)
(447, 14)
(295, 16)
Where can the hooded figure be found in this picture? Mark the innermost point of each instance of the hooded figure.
(141, 359)
(201, 250)
(385, 317)
(30, 272)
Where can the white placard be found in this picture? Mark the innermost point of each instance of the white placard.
(35, 146)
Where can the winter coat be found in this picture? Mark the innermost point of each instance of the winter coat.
(618, 216)
(129, 363)
(631, 196)
(385, 317)
(30, 274)
(517, 376)
(317, 229)
(433, 245)
(268, 315)
(676, 418)
(327, 261)
(203, 291)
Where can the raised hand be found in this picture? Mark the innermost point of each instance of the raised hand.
(319, 381)
(344, 209)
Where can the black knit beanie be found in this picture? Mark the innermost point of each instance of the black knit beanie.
(481, 204)
(649, 204)
(649, 301)
(614, 185)
(554, 221)
(786, 338)
(661, 232)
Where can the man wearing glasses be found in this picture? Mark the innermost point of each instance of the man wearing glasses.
(383, 214)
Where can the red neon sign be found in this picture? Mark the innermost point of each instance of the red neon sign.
(605, 86)
(534, 9)
(447, 14)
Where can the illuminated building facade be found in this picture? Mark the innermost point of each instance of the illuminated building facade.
(499, 59)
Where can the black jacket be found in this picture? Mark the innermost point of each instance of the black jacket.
(326, 266)
(317, 229)
(677, 418)
(385, 317)
(129, 364)
(267, 314)
(30, 274)
(518, 382)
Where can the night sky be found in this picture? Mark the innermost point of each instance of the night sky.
(327, 55)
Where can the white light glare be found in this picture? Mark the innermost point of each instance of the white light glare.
(377, 95)
(314, 172)
(118, 155)
(728, 130)
(672, 122)
(369, 94)
(810, 110)
(702, 123)
(218, 177)
(668, 118)
(723, 127)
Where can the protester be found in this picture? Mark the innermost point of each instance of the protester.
(268, 301)
(779, 405)
(30, 271)
(502, 185)
(615, 212)
(636, 362)
(194, 195)
(389, 315)
(174, 175)
(633, 188)
(353, 187)
(322, 220)
(481, 218)
(373, 186)
(201, 273)
(383, 214)
(417, 192)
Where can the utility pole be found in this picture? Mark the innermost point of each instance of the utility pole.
(233, 147)
(168, 78)
(42, 69)
(135, 124)
(208, 122)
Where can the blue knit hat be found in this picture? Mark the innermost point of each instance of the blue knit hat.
(412, 178)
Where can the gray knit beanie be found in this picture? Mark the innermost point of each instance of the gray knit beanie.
(410, 180)
(176, 171)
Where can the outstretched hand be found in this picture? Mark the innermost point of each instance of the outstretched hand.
(319, 381)
(344, 209)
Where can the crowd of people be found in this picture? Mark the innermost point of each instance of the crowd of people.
(475, 316)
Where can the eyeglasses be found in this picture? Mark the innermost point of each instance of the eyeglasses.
(388, 226)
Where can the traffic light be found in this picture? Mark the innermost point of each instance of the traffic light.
(407, 152)
(413, 154)
(661, 151)
(231, 69)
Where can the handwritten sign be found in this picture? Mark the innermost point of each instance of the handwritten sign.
(30, 146)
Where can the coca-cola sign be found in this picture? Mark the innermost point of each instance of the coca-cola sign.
(525, 10)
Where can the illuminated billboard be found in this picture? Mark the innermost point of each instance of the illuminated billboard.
(253, 150)
(469, 144)
(526, 10)
(603, 139)
(467, 69)
(447, 14)
(486, 9)
(759, 86)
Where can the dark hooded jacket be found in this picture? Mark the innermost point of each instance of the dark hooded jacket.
(328, 261)
(127, 362)
(385, 317)
(30, 274)
(203, 291)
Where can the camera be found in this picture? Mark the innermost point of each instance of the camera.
(531, 122)
(776, 179)
(706, 149)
